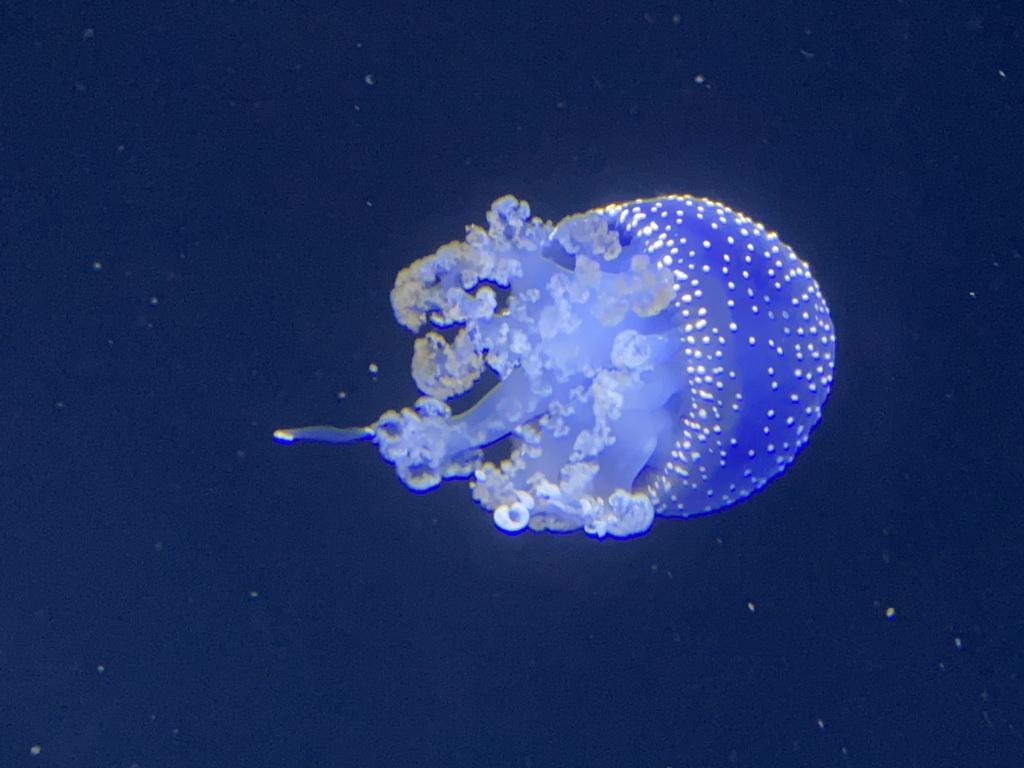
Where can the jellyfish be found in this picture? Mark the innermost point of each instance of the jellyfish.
(662, 357)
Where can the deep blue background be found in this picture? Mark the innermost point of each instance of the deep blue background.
(202, 209)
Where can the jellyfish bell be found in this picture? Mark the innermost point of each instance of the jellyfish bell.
(666, 356)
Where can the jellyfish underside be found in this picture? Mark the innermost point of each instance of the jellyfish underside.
(581, 325)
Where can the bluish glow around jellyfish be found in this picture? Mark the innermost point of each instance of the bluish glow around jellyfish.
(666, 357)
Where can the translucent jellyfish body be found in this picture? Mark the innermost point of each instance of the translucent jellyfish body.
(666, 356)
